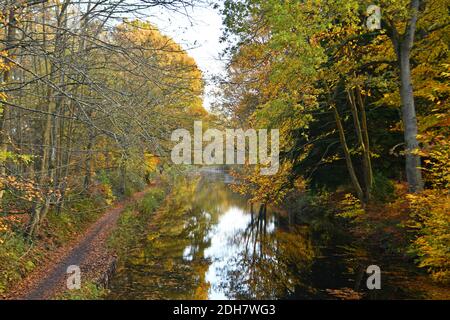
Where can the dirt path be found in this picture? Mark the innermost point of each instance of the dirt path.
(88, 251)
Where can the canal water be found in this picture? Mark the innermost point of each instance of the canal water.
(207, 242)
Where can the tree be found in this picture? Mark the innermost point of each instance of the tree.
(403, 44)
(86, 96)
(341, 68)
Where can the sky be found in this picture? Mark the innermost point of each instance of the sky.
(198, 33)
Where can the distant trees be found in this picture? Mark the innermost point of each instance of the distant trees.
(85, 90)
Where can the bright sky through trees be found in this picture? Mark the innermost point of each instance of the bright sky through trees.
(198, 31)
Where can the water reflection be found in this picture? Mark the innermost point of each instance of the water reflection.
(207, 242)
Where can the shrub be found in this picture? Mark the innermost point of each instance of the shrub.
(14, 263)
(73, 219)
(431, 223)
(150, 201)
(383, 189)
(350, 208)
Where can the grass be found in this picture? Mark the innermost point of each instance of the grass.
(88, 291)
(133, 221)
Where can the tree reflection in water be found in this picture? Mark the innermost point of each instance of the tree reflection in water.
(206, 242)
(273, 263)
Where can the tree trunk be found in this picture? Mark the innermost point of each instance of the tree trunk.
(88, 163)
(5, 114)
(403, 46)
(413, 163)
(123, 178)
(50, 136)
(357, 106)
(365, 131)
(348, 158)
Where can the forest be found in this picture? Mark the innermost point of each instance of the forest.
(92, 90)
